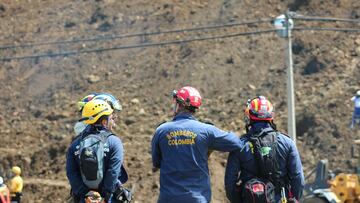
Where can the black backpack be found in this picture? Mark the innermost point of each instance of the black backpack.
(267, 179)
(91, 154)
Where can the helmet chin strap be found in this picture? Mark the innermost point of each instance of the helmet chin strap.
(109, 125)
(175, 108)
(247, 128)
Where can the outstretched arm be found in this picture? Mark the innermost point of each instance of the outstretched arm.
(223, 141)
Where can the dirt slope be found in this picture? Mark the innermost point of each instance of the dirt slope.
(39, 95)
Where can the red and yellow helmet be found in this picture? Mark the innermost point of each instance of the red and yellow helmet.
(188, 97)
(259, 109)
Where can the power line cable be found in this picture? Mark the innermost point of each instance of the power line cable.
(125, 24)
(327, 29)
(76, 52)
(115, 26)
(110, 37)
(314, 18)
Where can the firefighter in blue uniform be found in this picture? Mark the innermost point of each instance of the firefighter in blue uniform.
(99, 117)
(259, 116)
(180, 149)
(356, 113)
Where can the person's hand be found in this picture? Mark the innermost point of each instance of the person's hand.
(123, 195)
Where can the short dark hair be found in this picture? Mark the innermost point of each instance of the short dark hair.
(191, 109)
(101, 119)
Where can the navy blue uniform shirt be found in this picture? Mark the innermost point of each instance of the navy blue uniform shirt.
(114, 173)
(180, 149)
(243, 161)
(356, 100)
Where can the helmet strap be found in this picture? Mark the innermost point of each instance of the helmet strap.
(247, 127)
(110, 123)
(175, 108)
(273, 125)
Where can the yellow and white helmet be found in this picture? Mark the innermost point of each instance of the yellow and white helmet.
(114, 103)
(94, 109)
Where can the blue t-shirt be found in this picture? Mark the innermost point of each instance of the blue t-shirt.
(180, 149)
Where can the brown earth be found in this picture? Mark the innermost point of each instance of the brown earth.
(38, 96)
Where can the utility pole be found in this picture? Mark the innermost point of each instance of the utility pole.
(284, 24)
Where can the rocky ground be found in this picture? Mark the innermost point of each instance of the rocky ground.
(39, 95)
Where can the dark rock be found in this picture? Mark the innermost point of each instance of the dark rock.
(37, 114)
(104, 27)
(185, 51)
(57, 116)
(130, 120)
(297, 4)
(230, 60)
(304, 124)
(97, 16)
(355, 14)
(69, 24)
(332, 105)
(313, 66)
(165, 73)
(2, 8)
(297, 47)
(168, 16)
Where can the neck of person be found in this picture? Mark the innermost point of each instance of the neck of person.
(181, 109)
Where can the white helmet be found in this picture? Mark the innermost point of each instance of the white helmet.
(1, 180)
(358, 93)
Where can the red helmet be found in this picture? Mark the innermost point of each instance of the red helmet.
(259, 109)
(188, 96)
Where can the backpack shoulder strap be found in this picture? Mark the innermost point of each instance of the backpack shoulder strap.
(263, 132)
(103, 135)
